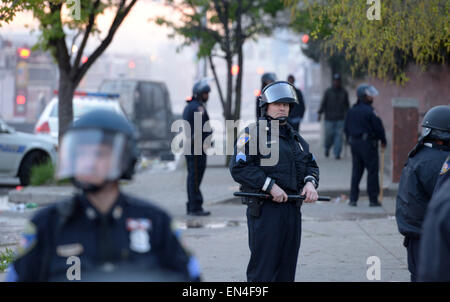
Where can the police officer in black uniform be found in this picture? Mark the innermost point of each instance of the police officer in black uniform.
(363, 129)
(274, 226)
(434, 262)
(196, 159)
(418, 180)
(101, 234)
(266, 79)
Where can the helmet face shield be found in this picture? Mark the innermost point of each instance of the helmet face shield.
(371, 91)
(92, 156)
(278, 92)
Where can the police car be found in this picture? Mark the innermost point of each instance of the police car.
(83, 102)
(19, 152)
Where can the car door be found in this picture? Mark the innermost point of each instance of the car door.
(11, 150)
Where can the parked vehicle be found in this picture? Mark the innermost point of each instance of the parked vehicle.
(147, 105)
(82, 102)
(19, 152)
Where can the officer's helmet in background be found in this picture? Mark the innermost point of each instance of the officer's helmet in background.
(364, 90)
(200, 88)
(277, 92)
(98, 148)
(267, 78)
(436, 123)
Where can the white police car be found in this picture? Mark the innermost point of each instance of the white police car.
(83, 102)
(19, 152)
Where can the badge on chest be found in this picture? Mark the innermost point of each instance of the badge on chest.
(139, 234)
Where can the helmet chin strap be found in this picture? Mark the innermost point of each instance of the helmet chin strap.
(281, 119)
(89, 188)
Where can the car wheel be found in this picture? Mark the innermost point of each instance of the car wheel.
(33, 159)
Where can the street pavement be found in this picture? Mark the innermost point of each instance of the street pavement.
(337, 239)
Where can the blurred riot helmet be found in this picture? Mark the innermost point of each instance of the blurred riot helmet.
(267, 78)
(200, 88)
(277, 92)
(366, 93)
(97, 149)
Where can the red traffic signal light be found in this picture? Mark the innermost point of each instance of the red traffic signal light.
(305, 38)
(235, 70)
(24, 53)
(21, 99)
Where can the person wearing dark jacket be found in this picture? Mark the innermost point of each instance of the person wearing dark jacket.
(298, 110)
(334, 106)
(363, 129)
(100, 233)
(418, 180)
(196, 159)
(434, 262)
(288, 167)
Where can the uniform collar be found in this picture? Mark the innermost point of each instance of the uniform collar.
(91, 213)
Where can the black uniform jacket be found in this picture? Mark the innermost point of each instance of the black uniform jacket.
(416, 187)
(134, 233)
(250, 164)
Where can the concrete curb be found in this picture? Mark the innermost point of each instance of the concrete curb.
(42, 196)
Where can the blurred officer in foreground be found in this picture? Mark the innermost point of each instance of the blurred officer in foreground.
(334, 106)
(266, 79)
(274, 226)
(107, 235)
(298, 110)
(434, 262)
(196, 160)
(418, 180)
(363, 129)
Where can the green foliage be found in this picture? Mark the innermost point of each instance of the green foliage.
(414, 31)
(42, 174)
(6, 258)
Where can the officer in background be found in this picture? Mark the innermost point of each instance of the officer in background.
(274, 226)
(114, 236)
(196, 160)
(266, 79)
(363, 129)
(298, 110)
(434, 262)
(418, 180)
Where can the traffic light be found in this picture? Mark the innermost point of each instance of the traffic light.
(21, 99)
(305, 38)
(24, 53)
(235, 70)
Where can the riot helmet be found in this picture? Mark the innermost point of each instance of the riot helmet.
(267, 78)
(436, 123)
(365, 90)
(277, 92)
(435, 126)
(200, 88)
(98, 148)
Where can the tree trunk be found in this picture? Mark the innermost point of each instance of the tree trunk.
(65, 106)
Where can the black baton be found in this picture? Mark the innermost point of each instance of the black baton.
(290, 197)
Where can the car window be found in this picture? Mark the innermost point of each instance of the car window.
(54, 112)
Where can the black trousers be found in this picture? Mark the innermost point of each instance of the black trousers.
(196, 165)
(364, 156)
(412, 249)
(274, 241)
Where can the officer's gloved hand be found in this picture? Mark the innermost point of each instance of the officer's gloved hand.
(310, 193)
(278, 195)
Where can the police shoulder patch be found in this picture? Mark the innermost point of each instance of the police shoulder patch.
(242, 140)
(28, 239)
(445, 166)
